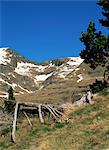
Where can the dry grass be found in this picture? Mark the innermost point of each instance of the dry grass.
(58, 91)
(86, 129)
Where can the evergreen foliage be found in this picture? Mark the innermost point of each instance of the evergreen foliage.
(96, 44)
(98, 86)
(9, 104)
(105, 7)
(11, 95)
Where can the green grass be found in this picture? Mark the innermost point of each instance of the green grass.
(33, 132)
(104, 92)
(6, 131)
(86, 121)
(88, 129)
(47, 129)
(86, 110)
(2, 145)
(59, 125)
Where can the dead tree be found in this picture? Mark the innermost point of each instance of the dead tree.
(14, 122)
(40, 114)
(22, 106)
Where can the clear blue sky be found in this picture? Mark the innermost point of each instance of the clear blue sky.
(45, 30)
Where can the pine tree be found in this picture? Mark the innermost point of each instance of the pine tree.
(94, 52)
(9, 104)
(10, 94)
(105, 7)
(96, 44)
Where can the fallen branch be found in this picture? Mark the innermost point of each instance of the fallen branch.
(58, 112)
(27, 118)
(51, 111)
(32, 106)
(27, 108)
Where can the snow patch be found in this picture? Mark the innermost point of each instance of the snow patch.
(77, 69)
(40, 68)
(72, 64)
(25, 89)
(13, 84)
(64, 71)
(21, 92)
(51, 65)
(75, 61)
(3, 74)
(12, 74)
(42, 77)
(24, 68)
(80, 78)
(3, 56)
(4, 96)
(3, 81)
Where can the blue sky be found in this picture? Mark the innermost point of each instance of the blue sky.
(45, 30)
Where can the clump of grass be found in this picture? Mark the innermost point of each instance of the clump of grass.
(47, 129)
(106, 135)
(90, 146)
(59, 125)
(88, 132)
(101, 116)
(86, 121)
(6, 131)
(104, 92)
(4, 144)
(86, 110)
(33, 132)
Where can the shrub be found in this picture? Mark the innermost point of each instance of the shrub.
(9, 105)
(98, 86)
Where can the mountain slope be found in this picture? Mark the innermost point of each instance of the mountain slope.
(87, 128)
(62, 90)
(56, 81)
(27, 77)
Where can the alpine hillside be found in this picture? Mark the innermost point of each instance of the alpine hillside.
(57, 80)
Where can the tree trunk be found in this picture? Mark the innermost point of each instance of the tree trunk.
(40, 114)
(14, 122)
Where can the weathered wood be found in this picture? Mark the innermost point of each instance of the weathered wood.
(27, 118)
(28, 107)
(14, 122)
(24, 103)
(50, 111)
(58, 112)
(28, 103)
(40, 114)
(53, 111)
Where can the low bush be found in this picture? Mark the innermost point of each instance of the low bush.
(98, 86)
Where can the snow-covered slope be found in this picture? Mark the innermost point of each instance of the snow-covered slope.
(70, 66)
(24, 68)
(26, 77)
(4, 59)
